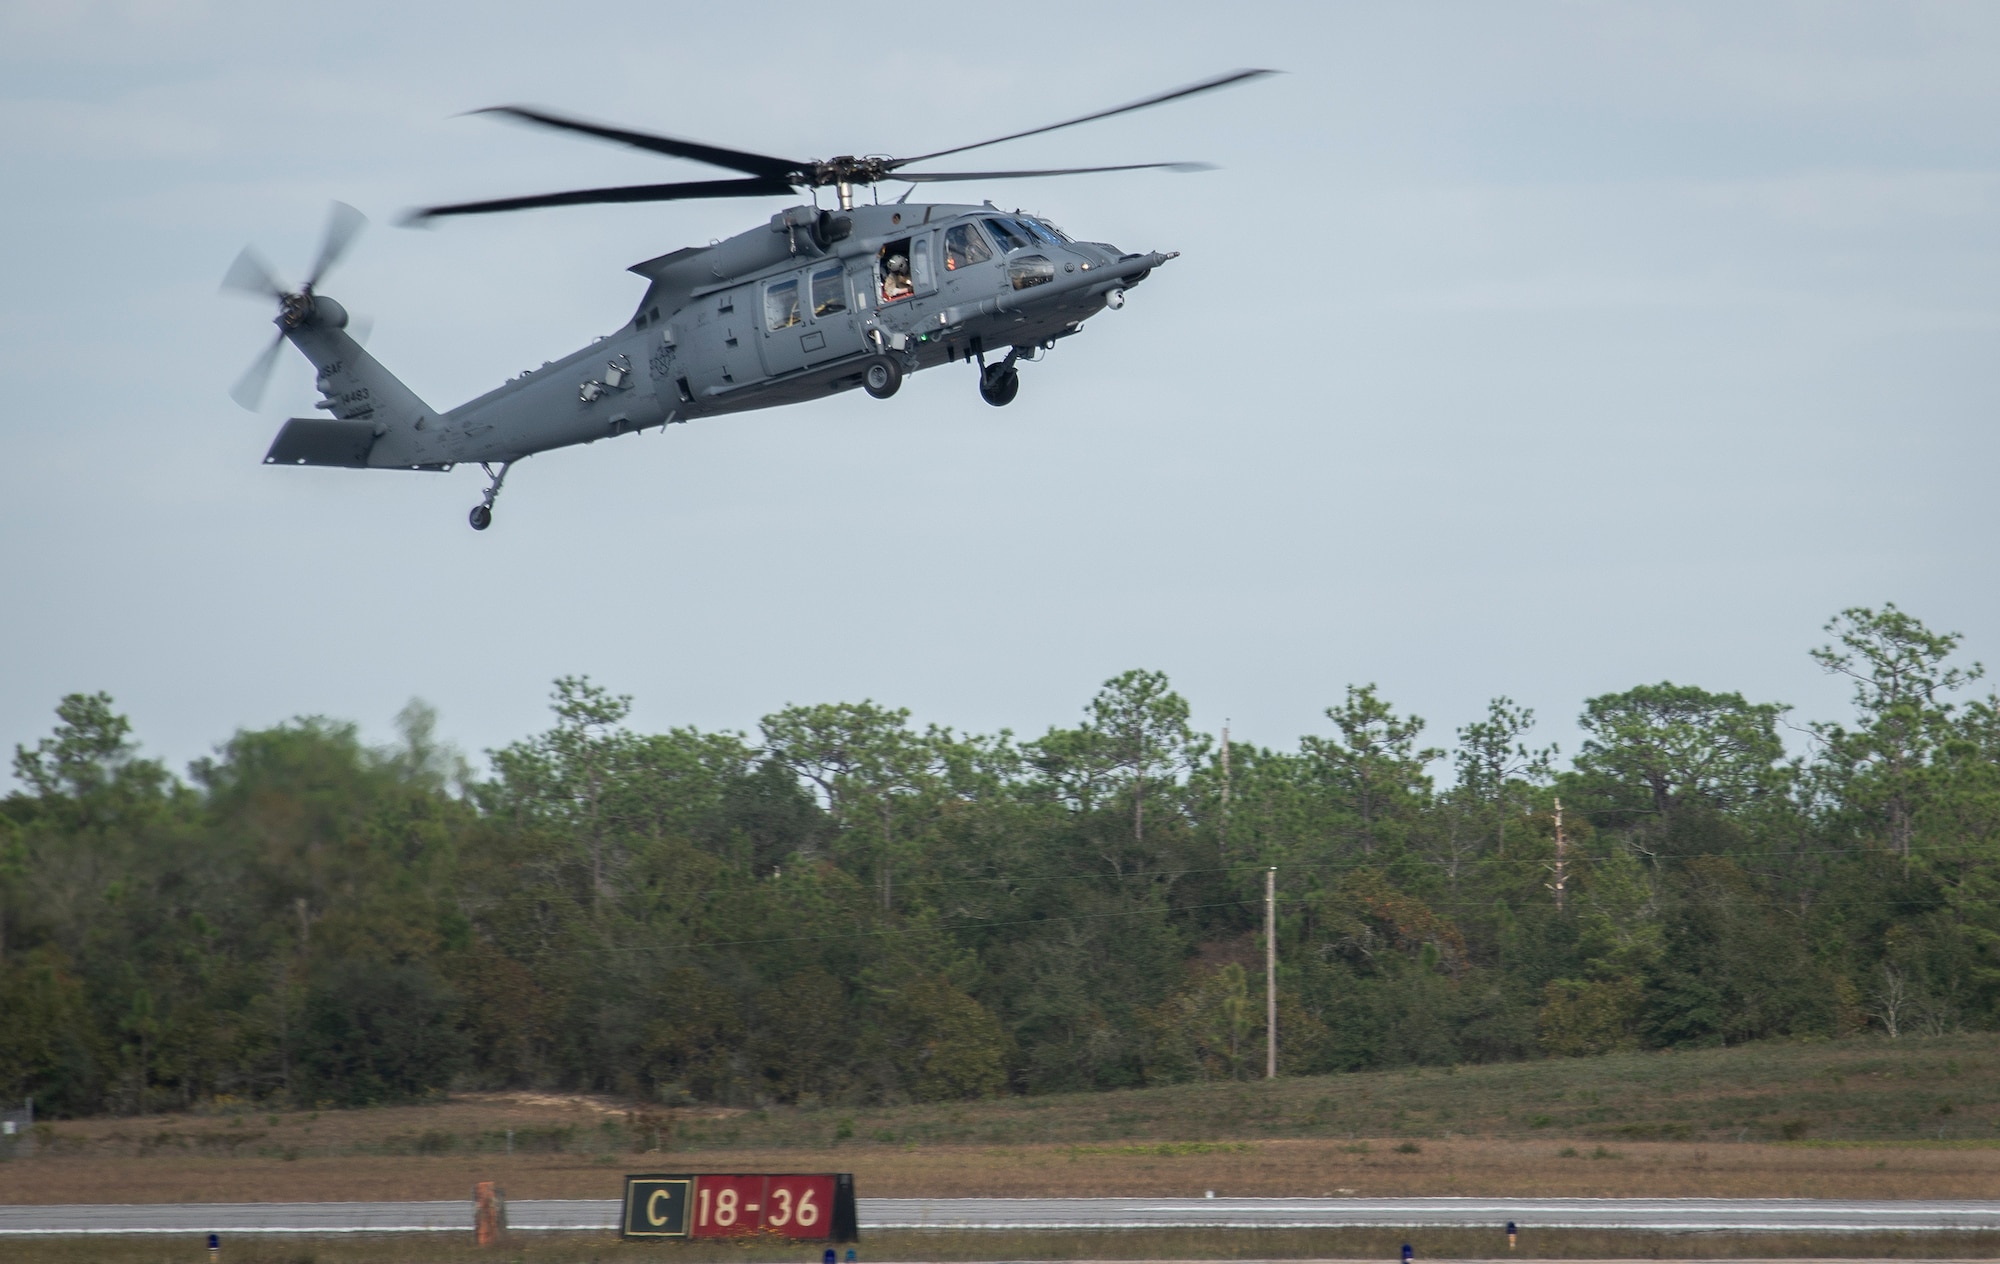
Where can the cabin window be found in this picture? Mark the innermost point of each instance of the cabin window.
(781, 304)
(829, 296)
(963, 247)
(1029, 271)
(1010, 235)
(920, 263)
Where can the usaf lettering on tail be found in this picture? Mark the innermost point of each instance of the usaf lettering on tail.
(810, 304)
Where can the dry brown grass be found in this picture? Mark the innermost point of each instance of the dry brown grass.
(1370, 1169)
(1927, 1115)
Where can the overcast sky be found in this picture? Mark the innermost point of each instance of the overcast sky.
(1537, 349)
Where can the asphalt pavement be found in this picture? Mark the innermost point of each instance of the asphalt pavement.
(530, 1214)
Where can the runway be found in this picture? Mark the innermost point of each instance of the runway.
(1668, 1214)
(1673, 1215)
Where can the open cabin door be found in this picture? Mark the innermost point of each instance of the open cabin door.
(904, 268)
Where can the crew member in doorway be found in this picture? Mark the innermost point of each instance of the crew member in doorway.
(896, 279)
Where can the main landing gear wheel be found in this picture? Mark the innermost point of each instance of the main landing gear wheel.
(481, 517)
(999, 384)
(882, 378)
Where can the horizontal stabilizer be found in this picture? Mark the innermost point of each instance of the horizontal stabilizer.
(322, 441)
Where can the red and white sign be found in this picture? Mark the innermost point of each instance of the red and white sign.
(788, 1206)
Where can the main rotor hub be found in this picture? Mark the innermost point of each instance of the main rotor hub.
(846, 169)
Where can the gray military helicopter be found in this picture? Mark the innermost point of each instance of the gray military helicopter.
(815, 302)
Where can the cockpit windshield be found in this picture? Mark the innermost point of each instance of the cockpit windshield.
(1043, 231)
(1018, 232)
(1011, 235)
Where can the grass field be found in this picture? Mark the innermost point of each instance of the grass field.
(1862, 1118)
(1271, 1168)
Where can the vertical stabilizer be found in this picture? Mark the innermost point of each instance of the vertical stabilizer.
(356, 389)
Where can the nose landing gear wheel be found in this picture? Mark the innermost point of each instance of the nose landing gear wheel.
(481, 517)
(882, 378)
(999, 384)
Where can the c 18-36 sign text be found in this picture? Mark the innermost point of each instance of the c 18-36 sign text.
(716, 1205)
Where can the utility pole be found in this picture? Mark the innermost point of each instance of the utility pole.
(1561, 866)
(1271, 973)
(1222, 845)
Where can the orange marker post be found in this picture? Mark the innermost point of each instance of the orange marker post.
(488, 1218)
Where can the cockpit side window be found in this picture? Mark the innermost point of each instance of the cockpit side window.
(828, 295)
(963, 247)
(781, 304)
(1010, 235)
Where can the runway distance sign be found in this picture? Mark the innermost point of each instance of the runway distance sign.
(722, 1205)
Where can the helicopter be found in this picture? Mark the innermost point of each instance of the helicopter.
(815, 302)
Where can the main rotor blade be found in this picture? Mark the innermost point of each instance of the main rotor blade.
(249, 389)
(940, 177)
(343, 224)
(714, 155)
(628, 193)
(251, 275)
(1206, 85)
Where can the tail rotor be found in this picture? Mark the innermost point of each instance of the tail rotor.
(250, 274)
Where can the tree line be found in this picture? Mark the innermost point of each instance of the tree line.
(846, 907)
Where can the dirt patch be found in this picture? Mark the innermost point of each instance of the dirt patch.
(547, 1101)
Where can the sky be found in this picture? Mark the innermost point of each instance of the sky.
(1539, 349)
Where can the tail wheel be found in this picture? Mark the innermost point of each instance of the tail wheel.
(999, 384)
(481, 517)
(882, 378)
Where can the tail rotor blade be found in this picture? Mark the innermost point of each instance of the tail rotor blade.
(359, 327)
(249, 389)
(343, 224)
(251, 275)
